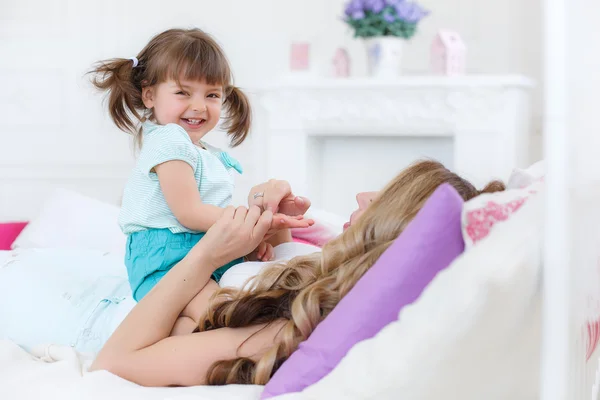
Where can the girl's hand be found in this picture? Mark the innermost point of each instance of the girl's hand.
(238, 232)
(282, 221)
(277, 196)
(264, 252)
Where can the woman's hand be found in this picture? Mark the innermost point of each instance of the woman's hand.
(238, 232)
(276, 195)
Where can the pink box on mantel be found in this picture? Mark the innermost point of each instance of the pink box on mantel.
(448, 54)
(299, 56)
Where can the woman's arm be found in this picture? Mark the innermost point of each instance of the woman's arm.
(141, 343)
(186, 360)
(190, 316)
(179, 187)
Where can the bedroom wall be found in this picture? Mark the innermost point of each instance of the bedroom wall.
(583, 80)
(53, 126)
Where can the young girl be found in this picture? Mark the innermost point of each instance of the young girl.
(169, 97)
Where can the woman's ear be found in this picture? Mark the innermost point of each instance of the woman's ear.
(148, 96)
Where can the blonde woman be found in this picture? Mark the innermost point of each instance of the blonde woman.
(245, 335)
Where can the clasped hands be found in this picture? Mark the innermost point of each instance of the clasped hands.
(288, 212)
(272, 208)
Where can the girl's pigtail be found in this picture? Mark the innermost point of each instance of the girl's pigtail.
(239, 116)
(117, 77)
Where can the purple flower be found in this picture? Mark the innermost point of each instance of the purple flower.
(358, 15)
(354, 6)
(410, 12)
(393, 3)
(375, 6)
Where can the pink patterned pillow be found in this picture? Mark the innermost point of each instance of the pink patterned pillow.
(482, 213)
(9, 232)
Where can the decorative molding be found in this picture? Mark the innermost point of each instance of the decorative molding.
(413, 108)
(487, 117)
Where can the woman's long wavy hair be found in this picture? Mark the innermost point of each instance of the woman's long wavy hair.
(305, 290)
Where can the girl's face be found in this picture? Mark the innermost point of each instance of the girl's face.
(364, 199)
(195, 105)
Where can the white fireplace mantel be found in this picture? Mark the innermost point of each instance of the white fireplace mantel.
(486, 117)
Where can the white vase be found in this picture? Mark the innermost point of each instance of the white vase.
(384, 54)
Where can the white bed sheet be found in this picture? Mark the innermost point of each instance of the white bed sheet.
(61, 372)
(58, 372)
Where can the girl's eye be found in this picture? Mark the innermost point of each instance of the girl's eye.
(181, 93)
(213, 95)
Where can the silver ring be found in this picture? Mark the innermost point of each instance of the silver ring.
(259, 194)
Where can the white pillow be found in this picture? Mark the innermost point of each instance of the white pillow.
(71, 220)
(521, 178)
(473, 334)
(239, 274)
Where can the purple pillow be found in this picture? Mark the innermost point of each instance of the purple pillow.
(428, 245)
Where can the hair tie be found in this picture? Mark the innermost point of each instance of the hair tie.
(135, 61)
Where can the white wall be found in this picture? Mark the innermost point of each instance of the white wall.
(50, 115)
(572, 235)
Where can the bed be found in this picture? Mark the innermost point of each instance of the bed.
(482, 341)
(497, 327)
(527, 328)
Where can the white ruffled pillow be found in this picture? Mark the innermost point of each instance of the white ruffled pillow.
(521, 178)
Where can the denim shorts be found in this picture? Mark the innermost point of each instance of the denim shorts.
(151, 253)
